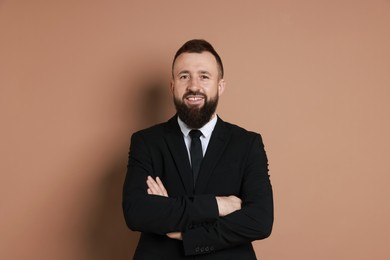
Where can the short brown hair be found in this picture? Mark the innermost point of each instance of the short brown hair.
(199, 46)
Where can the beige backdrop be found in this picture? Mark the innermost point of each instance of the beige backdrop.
(79, 77)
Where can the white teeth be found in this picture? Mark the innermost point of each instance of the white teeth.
(194, 98)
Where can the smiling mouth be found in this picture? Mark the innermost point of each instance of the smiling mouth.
(194, 98)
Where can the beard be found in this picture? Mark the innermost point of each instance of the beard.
(196, 117)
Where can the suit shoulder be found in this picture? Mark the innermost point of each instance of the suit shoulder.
(240, 131)
(151, 130)
(242, 137)
(156, 132)
(151, 133)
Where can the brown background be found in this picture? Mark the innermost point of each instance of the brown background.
(78, 77)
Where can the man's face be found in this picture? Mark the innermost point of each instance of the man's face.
(196, 87)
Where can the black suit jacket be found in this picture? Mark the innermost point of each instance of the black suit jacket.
(235, 163)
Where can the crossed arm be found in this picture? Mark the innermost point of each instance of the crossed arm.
(221, 222)
(226, 204)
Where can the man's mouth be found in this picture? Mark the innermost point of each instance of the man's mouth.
(194, 98)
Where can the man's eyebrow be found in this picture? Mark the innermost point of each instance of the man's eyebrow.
(204, 72)
(183, 72)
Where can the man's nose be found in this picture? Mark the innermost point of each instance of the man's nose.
(194, 84)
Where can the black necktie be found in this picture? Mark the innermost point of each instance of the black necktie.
(196, 153)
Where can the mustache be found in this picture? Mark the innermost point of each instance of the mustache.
(194, 93)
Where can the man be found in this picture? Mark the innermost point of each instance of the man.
(197, 194)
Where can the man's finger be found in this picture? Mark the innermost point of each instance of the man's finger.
(153, 186)
(161, 186)
(175, 235)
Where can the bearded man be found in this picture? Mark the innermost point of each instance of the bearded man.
(197, 187)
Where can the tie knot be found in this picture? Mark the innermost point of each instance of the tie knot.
(195, 134)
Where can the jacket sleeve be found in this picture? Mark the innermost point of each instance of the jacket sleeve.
(158, 214)
(252, 222)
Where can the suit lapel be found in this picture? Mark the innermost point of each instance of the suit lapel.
(175, 141)
(215, 148)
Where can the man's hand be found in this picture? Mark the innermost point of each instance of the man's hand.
(156, 187)
(175, 235)
(227, 205)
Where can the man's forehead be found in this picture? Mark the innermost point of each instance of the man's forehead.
(187, 60)
(200, 71)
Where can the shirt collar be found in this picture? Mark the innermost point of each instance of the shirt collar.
(206, 130)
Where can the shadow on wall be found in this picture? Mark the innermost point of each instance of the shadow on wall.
(107, 234)
(154, 103)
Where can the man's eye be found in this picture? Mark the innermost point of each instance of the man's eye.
(204, 77)
(183, 77)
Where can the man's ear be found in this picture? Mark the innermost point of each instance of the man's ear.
(171, 87)
(221, 86)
